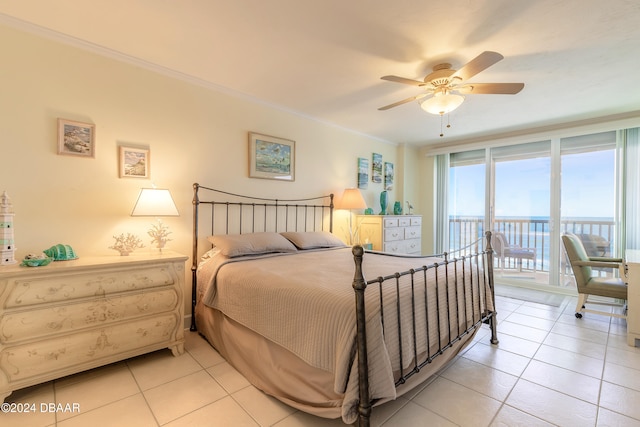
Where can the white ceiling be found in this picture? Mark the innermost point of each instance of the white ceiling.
(579, 59)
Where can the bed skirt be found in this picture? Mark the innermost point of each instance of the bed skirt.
(283, 375)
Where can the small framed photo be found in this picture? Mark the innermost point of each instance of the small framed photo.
(271, 157)
(134, 162)
(76, 138)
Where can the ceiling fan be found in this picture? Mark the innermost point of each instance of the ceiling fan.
(444, 86)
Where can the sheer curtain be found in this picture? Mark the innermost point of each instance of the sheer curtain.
(442, 214)
(631, 184)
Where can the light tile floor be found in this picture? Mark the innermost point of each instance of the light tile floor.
(549, 369)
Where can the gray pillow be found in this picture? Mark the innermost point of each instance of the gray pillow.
(234, 245)
(313, 239)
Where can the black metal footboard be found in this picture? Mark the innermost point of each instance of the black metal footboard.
(460, 309)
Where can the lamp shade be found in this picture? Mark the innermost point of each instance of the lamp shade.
(442, 103)
(352, 199)
(155, 202)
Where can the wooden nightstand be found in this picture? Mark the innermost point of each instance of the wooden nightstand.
(70, 316)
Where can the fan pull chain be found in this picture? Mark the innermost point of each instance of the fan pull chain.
(448, 124)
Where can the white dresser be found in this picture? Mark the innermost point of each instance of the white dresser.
(70, 316)
(400, 234)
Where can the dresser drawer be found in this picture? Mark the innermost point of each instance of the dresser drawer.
(390, 222)
(391, 234)
(19, 325)
(396, 247)
(29, 291)
(55, 355)
(416, 220)
(412, 232)
(413, 246)
(404, 222)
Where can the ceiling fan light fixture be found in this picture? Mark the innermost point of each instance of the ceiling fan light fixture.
(442, 103)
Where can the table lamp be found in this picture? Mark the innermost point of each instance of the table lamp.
(352, 199)
(156, 202)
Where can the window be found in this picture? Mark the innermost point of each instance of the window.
(466, 200)
(531, 193)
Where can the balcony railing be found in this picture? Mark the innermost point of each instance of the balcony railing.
(597, 236)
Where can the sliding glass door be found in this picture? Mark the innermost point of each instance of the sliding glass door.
(528, 195)
(588, 195)
(521, 211)
(466, 200)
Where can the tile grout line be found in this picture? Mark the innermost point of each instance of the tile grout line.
(604, 363)
(142, 394)
(504, 402)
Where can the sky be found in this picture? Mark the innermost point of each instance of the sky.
(523, 187)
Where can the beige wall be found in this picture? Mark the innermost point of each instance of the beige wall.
(426, 201)
(408, 186)
(195, 134)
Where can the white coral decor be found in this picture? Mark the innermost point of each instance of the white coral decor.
(159, 233)
(125, 244)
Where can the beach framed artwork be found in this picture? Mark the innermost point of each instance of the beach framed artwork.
(134, 162)
(388, 176)
(376, 168)
(271, 157)
(76, 138)
(363, 172)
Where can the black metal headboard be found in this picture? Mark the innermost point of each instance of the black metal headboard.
(230, 213)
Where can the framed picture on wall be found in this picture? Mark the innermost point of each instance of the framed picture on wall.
(376, 168)
(271, 157)
(76, 138)
(363, 172)
(134, 162)
(388, 176)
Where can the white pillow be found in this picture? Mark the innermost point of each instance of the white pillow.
(234, 245)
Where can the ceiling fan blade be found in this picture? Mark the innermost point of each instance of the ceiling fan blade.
(403, 80)
(479, 63)
(491, 88)
(404, 101)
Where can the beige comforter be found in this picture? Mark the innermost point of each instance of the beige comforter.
(305, 303)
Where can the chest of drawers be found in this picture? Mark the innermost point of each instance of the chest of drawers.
(70, 316)
(391, 233)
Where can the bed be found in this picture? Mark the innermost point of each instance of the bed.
(328, 329)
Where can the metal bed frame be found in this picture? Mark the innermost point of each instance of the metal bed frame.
(247, 214)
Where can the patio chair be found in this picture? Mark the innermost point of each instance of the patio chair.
(589, 285)
(594, 244)
(505, 250)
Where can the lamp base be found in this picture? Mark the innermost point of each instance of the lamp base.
(159, 233)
